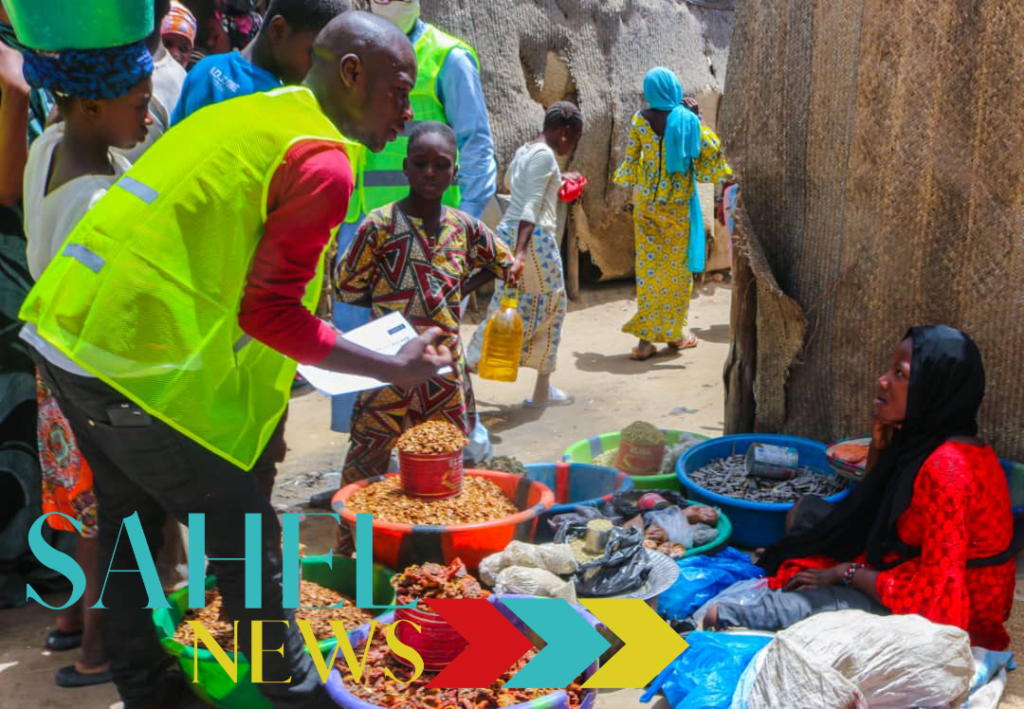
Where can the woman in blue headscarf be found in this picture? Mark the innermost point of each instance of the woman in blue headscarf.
(669, 150)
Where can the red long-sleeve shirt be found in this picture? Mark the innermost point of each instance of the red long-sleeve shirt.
(307, 198)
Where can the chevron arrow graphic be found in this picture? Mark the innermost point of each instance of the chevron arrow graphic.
(572, 643)
(650, 644)
(494, 643)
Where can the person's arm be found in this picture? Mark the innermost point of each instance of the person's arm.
(529, 190)
(489, 254)
(934, 585)
(462, 95)
(710, 164)
(628, 173)
(307, 198)
(14, 104)
(356, 266)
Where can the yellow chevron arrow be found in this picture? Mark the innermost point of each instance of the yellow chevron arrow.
(650, 643)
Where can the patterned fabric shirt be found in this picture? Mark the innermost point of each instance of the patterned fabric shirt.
(644, 167)
(395, 264)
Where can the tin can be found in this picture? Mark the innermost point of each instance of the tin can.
(637, 459)
(437, 476)
(775, 462)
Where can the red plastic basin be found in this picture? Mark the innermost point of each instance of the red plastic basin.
(401, 545)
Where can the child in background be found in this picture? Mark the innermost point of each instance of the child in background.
(415, 257)
(282, 53)
(103, 97)
(178, 31)
(529, 228)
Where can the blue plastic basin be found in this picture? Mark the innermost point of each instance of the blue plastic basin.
(583, 485)
(754, 524)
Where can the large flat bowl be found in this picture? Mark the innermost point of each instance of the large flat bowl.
(589, 448)
(401, 545)
(754, 524)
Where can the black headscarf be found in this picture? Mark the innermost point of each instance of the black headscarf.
(947, 384)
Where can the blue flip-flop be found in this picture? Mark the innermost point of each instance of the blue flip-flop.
(59, 641)
(70, 677)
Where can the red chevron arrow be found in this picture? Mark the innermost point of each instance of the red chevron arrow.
(494, 643)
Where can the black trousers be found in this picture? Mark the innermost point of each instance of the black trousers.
(149, 468)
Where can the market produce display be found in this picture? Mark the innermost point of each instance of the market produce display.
(641, 431)
(215, 619)
(480, 501)
(376, 688)
(432, 438)
(728, 476)
(505, 464)
(425, 581)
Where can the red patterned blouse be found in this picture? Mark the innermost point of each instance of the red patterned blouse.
(960, 510)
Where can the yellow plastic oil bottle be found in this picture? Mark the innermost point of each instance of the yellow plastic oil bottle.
(503, 341)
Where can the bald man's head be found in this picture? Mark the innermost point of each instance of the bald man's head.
(364, 69)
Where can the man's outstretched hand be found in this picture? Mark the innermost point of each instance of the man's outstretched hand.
(419, 360)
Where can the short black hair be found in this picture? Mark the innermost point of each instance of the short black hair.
(306, 14)
(562, 114)
(433, 128)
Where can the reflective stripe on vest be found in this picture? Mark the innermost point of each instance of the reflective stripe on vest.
(381, 179)
(148, 298)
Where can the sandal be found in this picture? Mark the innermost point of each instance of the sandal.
(688, 344)
(638, 356)
(59, 641)
(70, 677)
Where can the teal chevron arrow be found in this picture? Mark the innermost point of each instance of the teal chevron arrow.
(572, 644)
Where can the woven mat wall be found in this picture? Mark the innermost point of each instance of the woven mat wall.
(594, 52)
(880, 148)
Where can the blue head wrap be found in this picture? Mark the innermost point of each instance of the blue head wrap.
(89, 73)
(681, 146)
(682, 131)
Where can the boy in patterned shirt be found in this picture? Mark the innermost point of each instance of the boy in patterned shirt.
(416, 257)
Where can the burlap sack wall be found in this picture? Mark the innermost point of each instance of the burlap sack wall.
(594, 52)
(880, 148)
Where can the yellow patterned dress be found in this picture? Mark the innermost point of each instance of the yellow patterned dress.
(661, 218)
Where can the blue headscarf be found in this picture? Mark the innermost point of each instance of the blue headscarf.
(89, 73)
(681, 146)
(682, 131)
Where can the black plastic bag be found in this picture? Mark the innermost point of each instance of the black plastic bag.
(622, 569)
(579, 516)
(624, 504)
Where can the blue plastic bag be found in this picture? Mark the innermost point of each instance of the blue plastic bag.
(705, 675)
(703, 577)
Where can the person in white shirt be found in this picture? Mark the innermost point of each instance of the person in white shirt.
(529, 229)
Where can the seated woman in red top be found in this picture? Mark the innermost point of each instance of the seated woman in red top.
(928, 531)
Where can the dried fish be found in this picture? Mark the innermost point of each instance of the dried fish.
(728, 476)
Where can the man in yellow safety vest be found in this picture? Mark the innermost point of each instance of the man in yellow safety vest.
(187, 293)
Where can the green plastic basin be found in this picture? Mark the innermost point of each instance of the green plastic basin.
(53, 25)
(215, 687)
(589, 448)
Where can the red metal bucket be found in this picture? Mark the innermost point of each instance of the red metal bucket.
(437, 642)
(640, 459)
(438, 476)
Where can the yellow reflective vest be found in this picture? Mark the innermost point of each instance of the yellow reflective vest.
(145, 292)
(380, 178)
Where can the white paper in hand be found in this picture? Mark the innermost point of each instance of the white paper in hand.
(384, 335)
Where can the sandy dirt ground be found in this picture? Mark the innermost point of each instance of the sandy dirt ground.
(680, 391)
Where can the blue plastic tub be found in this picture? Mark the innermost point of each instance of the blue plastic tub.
(579, 484)
(1015, 479)
(754, 524)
